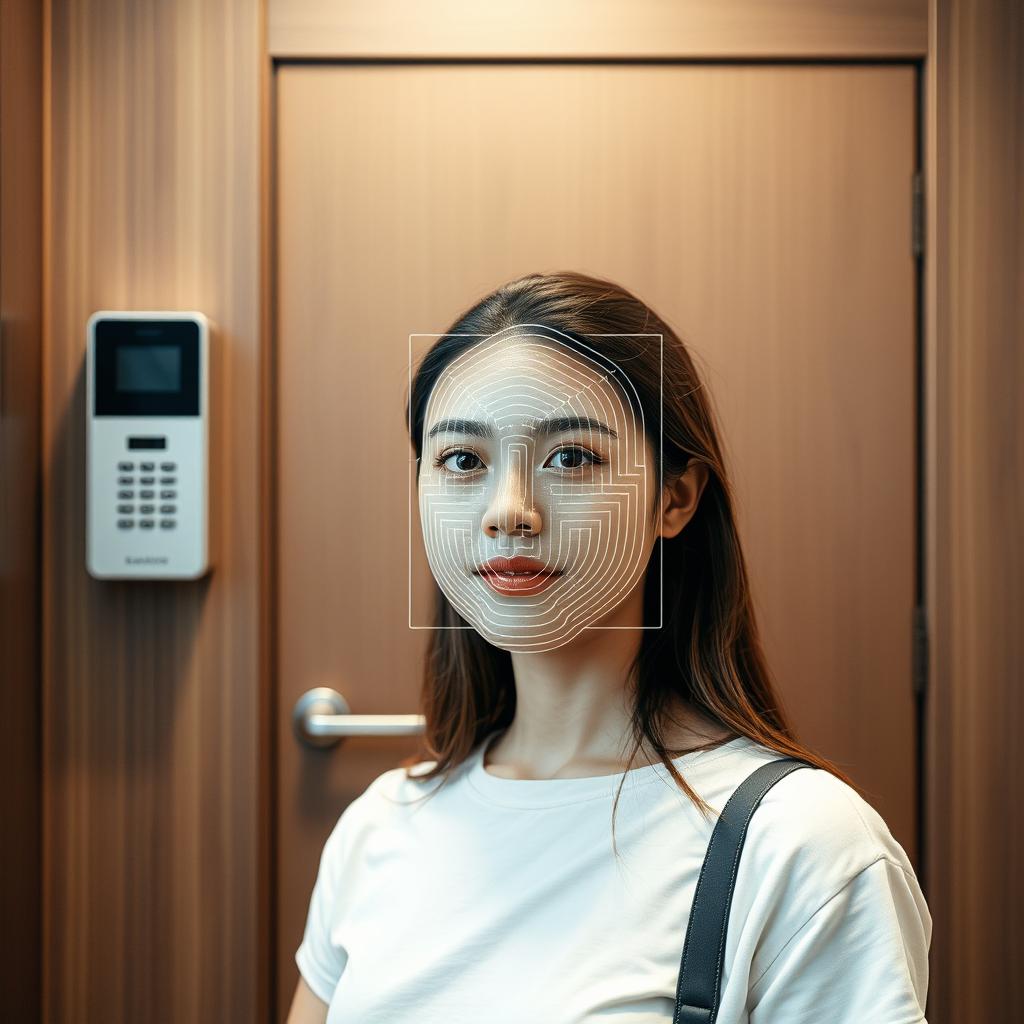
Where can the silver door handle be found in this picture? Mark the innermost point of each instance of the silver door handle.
(321, 718)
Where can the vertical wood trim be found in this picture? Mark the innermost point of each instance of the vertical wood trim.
(974, 333)
(46, 926)
(268, 981)
(21, 163)
(936, 564)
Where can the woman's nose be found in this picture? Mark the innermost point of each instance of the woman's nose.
(512, 508)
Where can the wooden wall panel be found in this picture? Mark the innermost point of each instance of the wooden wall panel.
(975, 469)
(155, 902)
(21, 235)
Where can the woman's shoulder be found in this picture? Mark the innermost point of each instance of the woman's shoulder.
(375, 806)
(399, 787)
(814, 826)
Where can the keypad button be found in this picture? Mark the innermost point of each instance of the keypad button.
(168, 479)
(126, 479)
(146, 494)
(146, 524)
(168, 467)
(147, 467)
(125, 509)
(126, 494)
(126, 467)
(167, 524)
(168, 494)
(147, 481)
(146, 510)
(167, 510)
(125, 524)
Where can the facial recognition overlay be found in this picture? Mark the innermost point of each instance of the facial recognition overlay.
(536, 488)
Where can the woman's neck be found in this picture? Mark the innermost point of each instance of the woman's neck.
(573, 713)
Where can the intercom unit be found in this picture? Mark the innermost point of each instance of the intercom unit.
(147, 447)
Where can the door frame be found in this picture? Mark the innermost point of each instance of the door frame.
(313, 32)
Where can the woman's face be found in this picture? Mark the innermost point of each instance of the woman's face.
(530, 450)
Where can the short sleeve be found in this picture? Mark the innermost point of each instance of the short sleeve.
(319, 959)
(862, 955)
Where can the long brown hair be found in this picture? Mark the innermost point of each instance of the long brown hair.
(708, 651)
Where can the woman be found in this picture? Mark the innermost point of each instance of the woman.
(578, 519)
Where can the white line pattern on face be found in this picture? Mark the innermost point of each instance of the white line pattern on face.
(590, 520)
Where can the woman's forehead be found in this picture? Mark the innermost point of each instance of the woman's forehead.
(516, 379)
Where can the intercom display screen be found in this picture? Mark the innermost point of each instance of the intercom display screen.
(146, 368)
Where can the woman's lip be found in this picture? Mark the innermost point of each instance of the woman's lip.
(526, 583)
(518, 572)
(517, 563)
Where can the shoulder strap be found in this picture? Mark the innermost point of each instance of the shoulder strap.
(700, 973)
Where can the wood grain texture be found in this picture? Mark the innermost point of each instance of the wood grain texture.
(21, 237)
(152, 688)
(718, 29)
(975, 317)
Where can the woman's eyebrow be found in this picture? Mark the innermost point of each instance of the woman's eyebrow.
(553, 425)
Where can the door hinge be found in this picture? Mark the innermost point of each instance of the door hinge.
(917, 216)
(921, 650)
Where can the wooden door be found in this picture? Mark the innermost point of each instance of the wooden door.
(764, 209)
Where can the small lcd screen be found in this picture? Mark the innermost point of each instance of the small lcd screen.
(147, 442)
(148, 368)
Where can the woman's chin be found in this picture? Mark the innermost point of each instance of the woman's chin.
(526, 638)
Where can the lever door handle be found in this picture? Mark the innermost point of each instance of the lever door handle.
(321, 718)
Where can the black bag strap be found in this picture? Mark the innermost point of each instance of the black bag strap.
(700, 973)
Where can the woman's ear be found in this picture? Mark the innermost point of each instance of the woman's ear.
(679, 498)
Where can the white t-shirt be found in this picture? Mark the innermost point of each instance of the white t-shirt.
(501, 900)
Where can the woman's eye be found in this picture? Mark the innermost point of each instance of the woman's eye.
(463, 461)
(574, 452)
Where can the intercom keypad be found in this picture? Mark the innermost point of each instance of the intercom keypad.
(145, 510)
(147, 444)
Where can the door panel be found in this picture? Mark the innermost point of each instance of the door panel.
(764, 210)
